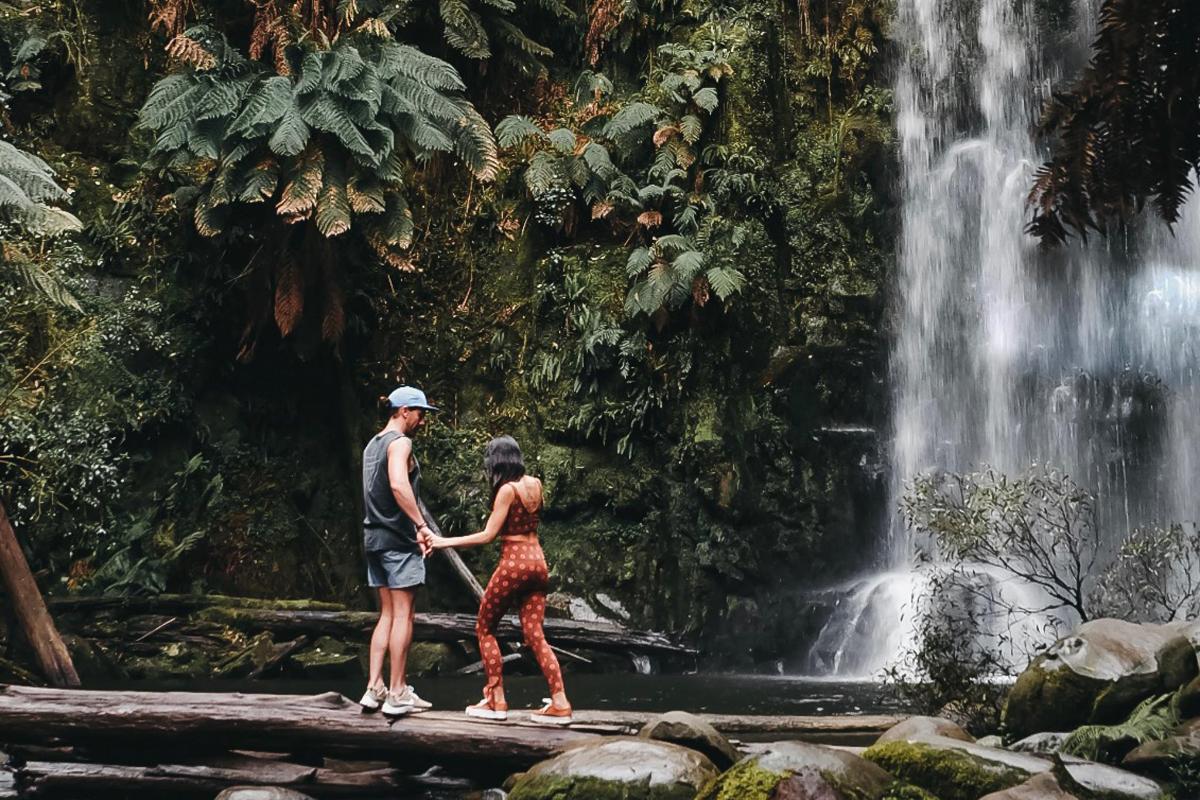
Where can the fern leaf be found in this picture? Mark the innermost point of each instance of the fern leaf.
(325, 114)
(266, 105)
(404, 61)
(333, 205)
(706, 99)
(691, 127)
(301, 191)
(563, 140)
(260, 181)
(515, 129)
(289, 297)
(630, 118)
(725, 281)
(291, 134)
(48, 285)
(638, 262)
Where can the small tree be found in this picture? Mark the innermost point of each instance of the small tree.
(1155, 576)
(1038, 528)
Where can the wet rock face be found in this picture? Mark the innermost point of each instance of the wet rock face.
(623, 768)
(800, 771)
(261, 793)
(1098, 674)
(688, 730)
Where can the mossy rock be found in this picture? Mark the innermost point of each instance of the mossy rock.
(801, 770)
(620, 768)
(914, 728)
(948, 773)
(431, 658)
(327, 657)
(1039, 787)
(1049, 697)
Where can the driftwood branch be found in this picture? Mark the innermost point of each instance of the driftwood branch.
(32, 614)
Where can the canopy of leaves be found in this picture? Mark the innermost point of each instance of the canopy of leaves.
(1128, 132)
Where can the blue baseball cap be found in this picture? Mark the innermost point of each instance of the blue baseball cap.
(409, 397)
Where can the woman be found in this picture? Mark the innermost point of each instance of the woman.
(521, 578)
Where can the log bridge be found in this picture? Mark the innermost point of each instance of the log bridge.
(75, 743)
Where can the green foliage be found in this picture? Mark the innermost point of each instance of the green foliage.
(27, 188)
(1153, 719)
(1128, 131)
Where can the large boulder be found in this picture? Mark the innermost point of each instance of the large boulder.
(620, 768)
(953, 769)
(688, 730)
(916, 727)
(800, 771)
(1098, 674)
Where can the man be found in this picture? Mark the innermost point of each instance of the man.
(395, 536)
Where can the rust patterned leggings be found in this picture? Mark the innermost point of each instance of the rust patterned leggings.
(520, 578)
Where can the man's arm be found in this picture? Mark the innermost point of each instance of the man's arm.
(398, 453)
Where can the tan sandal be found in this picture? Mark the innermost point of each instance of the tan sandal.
(551, 714)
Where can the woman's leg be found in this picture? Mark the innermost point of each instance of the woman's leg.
(533, 613)
(379, 639)
(491, 608)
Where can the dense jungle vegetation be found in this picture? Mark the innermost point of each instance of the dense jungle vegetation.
(646, 237)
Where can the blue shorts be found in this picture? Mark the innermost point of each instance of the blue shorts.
(395, 569)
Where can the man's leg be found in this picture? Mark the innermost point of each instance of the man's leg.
(379, 639)
(401, 635)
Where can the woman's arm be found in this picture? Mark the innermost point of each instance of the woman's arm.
(504, 499)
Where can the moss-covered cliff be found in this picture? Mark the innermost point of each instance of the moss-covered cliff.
(706, 458)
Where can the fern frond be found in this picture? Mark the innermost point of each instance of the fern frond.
(515, 129)
(630, 118)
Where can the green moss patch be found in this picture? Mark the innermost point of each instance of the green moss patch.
(744, 781)
(949, 774)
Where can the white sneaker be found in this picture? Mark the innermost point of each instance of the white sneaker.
(397, 704)
(372, 699)
(419, 703)
(407, 699)
(485, 710)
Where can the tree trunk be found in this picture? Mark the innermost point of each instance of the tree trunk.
(35, 621)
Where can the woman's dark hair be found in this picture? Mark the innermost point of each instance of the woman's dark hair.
(502, 462)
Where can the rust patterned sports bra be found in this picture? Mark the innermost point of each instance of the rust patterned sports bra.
(521, 523)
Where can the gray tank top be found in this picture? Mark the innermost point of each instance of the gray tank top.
(385, 525)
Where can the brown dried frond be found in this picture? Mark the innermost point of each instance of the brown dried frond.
(650, 219)
(700, 291)
(170, 16)
(376, 27)
(603, 19)
(289, 296)
(664, 134)
(334, 323)
(601, 210)
(190, 52)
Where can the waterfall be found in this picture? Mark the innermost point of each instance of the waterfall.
(1005, 355)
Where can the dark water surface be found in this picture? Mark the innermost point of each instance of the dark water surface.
(700, 693)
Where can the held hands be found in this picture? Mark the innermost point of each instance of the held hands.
(424, 535)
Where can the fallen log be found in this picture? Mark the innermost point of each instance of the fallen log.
(36, 623)
(205, 781)
(169, 604)
(442, 628)
(125, 722)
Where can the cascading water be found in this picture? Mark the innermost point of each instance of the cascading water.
(1083, 359)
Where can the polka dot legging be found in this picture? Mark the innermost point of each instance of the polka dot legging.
(521, 578)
